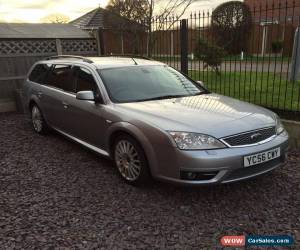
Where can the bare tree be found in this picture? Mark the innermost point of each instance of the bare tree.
(150, 12)
(163, 10)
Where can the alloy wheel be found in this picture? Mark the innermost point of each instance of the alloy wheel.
(37, 119)
(127, 160)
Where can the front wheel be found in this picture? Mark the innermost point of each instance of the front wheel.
(38, 122)
(131, 161)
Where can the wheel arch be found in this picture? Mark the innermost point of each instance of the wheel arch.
(131, 130)
(33, 101)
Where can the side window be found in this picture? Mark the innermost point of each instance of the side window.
(60, 77)
(85, 80)
(39, 72)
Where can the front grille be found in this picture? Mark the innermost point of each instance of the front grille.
(251, 137)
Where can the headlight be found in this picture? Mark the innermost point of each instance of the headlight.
(279, 126)
(193, 141)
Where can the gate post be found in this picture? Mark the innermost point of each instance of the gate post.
(100, 40)
(184, 46)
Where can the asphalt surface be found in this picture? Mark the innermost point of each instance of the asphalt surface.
(54, 194)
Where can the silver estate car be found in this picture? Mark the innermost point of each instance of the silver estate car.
(153, 121)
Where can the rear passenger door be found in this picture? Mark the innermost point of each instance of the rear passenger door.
(59, 88)
(37, 78)
(87, 118)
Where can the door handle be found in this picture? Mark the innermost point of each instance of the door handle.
(66, 105)
(40, 94)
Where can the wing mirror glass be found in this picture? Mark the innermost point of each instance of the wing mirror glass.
(201, 83)
(85, 95)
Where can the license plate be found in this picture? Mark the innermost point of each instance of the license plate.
(262, 157)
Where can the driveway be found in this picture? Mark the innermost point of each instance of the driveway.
(54, 194)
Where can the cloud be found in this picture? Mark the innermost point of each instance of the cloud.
(31, 4)
(34, 10)
(203, 5)
(41, 4)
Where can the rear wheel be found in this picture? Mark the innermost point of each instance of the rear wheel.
(38, 122)
(131, 161)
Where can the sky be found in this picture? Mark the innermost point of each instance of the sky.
(33, 11)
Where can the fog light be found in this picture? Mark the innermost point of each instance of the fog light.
(188, 175)
(191, 175)
(197, 176)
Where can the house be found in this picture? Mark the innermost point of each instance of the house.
(275, 11)
(274, 20)
(115, 34)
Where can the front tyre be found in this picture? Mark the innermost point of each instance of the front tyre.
(131, 161)
(38, 122)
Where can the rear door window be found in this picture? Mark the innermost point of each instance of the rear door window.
(84, 80)
(39, 73)
(61, 77)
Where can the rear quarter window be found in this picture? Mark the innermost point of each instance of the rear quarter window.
(39, 73)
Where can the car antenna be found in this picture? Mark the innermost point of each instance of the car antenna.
(135, 63)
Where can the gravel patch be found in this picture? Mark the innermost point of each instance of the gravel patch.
(54, 194)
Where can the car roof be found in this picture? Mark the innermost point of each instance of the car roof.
(103, 62)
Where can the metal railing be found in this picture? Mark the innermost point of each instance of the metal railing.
(256, 62)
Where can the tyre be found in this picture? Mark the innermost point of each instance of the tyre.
(38, 122)
(131, 161)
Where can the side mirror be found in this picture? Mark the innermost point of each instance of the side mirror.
(85, 95)
(98, 98)
(201, 83)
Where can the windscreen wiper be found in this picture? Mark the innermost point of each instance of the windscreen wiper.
(162, 97)
(202, 93)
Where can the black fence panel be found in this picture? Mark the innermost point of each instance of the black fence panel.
(253, 63)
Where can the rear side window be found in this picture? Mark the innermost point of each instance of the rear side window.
(39, 72)
(85, 80)
(60, 77)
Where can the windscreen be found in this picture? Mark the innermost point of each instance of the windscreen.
(142, 83)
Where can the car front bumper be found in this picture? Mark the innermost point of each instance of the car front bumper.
(222, 165)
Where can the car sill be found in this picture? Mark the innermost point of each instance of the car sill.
(85, 144)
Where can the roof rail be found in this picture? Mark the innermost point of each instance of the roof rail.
(70, 56)
(127, 55)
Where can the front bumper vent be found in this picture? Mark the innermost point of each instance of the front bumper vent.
(197, 176)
